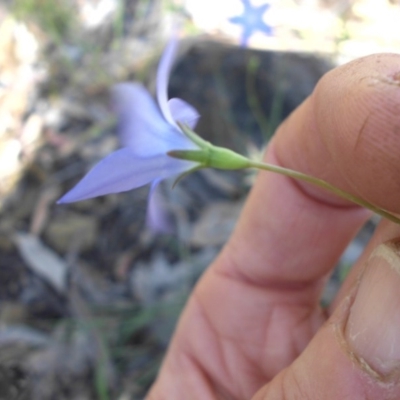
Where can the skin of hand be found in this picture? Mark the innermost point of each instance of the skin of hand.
(253, 327)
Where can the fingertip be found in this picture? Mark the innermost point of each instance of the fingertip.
(347, 131)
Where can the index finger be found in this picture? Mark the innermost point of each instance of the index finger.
(348, 133)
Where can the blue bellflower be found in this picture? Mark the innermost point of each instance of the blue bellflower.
(158, 142)
(147, 132)
(252, 21)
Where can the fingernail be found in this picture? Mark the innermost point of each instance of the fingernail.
(373, 327)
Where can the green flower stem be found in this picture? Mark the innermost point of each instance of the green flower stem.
(324, 185)
(209, 156)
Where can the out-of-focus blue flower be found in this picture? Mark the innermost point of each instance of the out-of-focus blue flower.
(147, 132)
(252, 20)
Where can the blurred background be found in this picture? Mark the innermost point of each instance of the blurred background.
(89, 295)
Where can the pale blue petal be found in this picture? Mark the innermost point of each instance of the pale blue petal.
(157, 217)
(141, 127)
(122, 171)
(163, 72)
(182, 111)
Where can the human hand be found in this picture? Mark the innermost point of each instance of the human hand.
(253, 327)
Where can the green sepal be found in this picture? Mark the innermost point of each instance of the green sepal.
(194, 137)
(209, 156)
(212, 157)
(199, 156)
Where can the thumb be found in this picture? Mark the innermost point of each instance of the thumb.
(356, 354)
